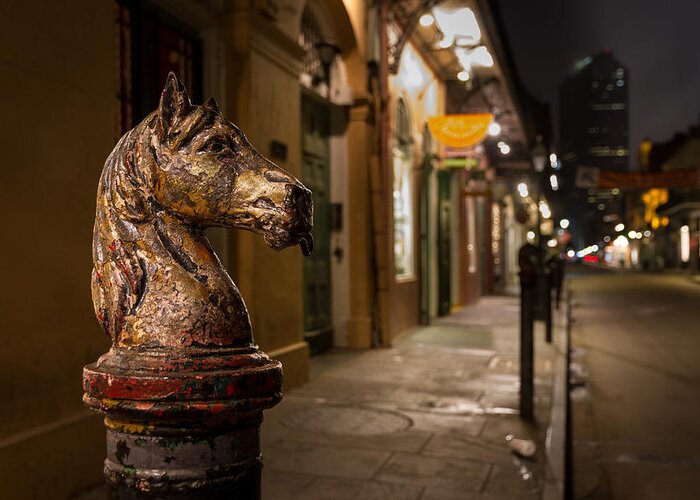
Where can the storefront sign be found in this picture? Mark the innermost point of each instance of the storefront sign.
(593, 177)
(460, 131)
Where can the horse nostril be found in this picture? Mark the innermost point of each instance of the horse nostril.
(300, 196)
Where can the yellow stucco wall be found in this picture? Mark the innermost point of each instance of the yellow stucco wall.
(57, 89)
(263, 62)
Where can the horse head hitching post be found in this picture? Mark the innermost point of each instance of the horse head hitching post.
(183, 386)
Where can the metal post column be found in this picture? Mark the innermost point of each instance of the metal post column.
(528, 286)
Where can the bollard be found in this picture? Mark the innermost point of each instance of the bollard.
(547, 303)
(527, 257)
(183, 386)
(556, 265)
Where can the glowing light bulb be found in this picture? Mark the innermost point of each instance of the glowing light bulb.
(426, 20)
(522, 190)
(445, 43)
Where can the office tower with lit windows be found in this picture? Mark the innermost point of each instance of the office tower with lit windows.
(594, 114)
(593, 132)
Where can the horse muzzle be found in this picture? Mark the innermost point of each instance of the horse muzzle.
(300, 202)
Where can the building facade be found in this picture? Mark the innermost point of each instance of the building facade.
(593, 134)
(337, 92)
(594, 114)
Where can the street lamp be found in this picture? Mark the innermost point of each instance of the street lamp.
(327, 50)
(539, 155)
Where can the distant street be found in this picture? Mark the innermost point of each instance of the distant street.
(637, 411)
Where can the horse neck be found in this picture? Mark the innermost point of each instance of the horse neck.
(161, 241)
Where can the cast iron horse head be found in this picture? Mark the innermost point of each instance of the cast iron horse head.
(156, 281)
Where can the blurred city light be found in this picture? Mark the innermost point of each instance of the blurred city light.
(620, 227)
(554, 182)
(463, 76)
(494, 129)
(457, 26)
(411, 72)
(552, 243)
(564, 223)
(482, 57)
(445, 43)
(621, 242)
(570, 253)
(587, 251)
(479, 56)
(544, 209)
(426, 20)
(522, 190)
(505, 149)
(685, 243)
(530, 236)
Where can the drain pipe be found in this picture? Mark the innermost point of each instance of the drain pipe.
(383, 274)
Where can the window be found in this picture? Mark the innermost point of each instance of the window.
(615, 106)
(148, 45)
(403, 196)
(122, 34)
(309, 37)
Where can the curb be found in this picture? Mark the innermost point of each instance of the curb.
(555, 441)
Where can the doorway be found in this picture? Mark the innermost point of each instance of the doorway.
(444, 242)
(315, 130)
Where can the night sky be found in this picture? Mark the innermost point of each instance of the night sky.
(659, 42)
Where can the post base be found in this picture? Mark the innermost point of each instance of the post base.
(183, 424)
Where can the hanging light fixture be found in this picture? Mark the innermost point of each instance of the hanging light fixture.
(327, 50)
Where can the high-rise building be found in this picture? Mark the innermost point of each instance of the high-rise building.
(594, 114)
(593, 132)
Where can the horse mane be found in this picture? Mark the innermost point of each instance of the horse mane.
(123, 204)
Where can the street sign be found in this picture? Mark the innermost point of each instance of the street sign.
(587, 177)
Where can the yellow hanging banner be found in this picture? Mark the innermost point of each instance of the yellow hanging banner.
(460, 131)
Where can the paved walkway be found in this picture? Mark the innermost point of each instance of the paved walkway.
(426, 419)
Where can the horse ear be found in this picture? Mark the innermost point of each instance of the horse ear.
(174, 103)
(211, 104)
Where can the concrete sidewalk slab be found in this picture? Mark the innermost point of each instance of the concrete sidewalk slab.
(425, 419)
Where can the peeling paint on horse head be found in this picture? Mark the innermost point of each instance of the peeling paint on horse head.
(156, 280)
(183, 386)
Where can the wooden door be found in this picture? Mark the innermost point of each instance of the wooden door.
(443, 242)
(318, 330)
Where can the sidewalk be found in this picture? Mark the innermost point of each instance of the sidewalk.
(426, 419)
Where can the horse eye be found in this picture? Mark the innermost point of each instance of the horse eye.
(214, 145)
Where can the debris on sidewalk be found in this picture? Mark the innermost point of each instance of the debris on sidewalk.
(525, 448)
